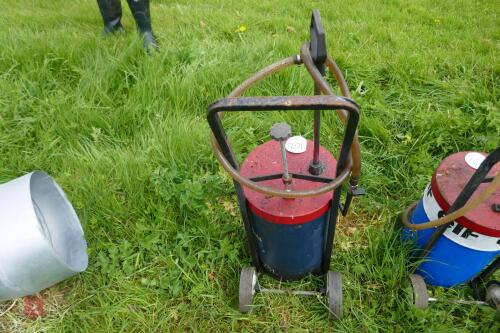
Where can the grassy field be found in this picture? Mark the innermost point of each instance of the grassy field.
(125, 135)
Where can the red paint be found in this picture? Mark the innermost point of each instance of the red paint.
(265, 160)
(33, 307)
(448, 181)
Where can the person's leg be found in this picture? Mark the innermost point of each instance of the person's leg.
(140, 10)
(111, 11)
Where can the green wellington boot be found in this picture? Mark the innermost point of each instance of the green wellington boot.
(140, 10)
(111, 12)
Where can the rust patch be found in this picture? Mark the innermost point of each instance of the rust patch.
(34, 307)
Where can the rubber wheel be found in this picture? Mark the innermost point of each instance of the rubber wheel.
(248, 281)
(334, 294)
(420, 294)
(493, 293)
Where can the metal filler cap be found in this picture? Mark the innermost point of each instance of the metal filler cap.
(281, 131)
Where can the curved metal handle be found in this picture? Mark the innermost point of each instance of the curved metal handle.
(463, 204)
(325, 88)
(306, 59)
(224, 153)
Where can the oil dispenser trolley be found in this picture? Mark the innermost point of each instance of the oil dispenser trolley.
(456, 227)
(290, 201)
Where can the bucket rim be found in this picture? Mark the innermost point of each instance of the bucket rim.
(76, 227)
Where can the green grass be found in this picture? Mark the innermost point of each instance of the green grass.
(125, 135)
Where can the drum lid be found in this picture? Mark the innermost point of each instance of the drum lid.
(265, 160)
(451, 177)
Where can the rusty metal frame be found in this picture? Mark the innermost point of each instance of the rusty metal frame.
(285, 103)
(477, 178)
(314, 58)
(480, 176)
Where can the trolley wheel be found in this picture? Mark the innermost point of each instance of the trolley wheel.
(493, 293)
(420, 295)
(334, 294)
(248, 282)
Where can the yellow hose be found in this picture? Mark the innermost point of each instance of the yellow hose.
(456, 214)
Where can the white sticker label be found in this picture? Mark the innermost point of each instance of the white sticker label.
(296, 144)
(456, 232)
(474, 160)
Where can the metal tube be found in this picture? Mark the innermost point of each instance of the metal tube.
(283, 156)
(458, 301)
(257, 77)
(317, 124)
(287, 179)
(327, 90)
(356, 150)
(41, 239)
(330, 233)
(290, 292)
(263, 73)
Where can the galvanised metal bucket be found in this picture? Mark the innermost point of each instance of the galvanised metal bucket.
(41, 239)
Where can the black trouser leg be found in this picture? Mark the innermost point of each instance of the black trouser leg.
(140, 10)
(111, 11)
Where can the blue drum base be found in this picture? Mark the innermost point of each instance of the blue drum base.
(448, 263)
(290, 251)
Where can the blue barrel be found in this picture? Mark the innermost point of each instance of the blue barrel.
(471, 242)
(290, 251)
(290, 233)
